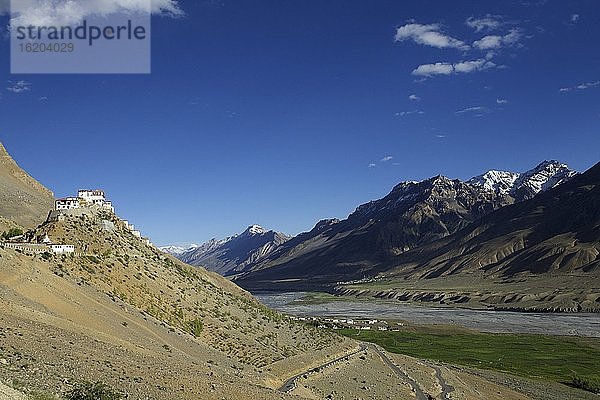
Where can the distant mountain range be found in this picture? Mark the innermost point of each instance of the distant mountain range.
(234, 254)
(557, 231)
(178, 250)
(412, 215)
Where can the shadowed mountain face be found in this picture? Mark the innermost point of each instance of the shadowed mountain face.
(413, 215)
(232, 255)
(23, 200)
(556, 232)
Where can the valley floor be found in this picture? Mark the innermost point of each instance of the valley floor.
(326, 305)
(56, 331)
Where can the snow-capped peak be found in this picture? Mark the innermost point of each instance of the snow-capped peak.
(255, 230)
(177, 250)
(546, 175)
(500, 182)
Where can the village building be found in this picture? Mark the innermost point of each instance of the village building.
(39, 248)
(68, 203)
(27, 248)
(62, 248)
(92, 196)
(95, 197)
(85, 198)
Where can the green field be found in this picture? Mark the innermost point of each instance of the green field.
(559, 359)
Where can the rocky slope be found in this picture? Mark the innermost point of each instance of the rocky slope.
(412, 215)
(234, 254)
(144, 322)
(23, 200)
(542, 254)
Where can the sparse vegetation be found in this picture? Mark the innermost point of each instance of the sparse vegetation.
(585, 383)
(532, 356)
(93, 391)
(195, 327)
(41, 396)
(11, 233)
(94, 259)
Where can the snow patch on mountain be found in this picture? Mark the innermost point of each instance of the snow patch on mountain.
(500, 182)
(177, 250)
(544, 176)
(254, 230)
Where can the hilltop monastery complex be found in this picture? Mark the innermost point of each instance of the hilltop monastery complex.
(85, 200)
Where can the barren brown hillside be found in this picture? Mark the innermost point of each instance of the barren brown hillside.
(22, 199)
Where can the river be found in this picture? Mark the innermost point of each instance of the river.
(481, 320)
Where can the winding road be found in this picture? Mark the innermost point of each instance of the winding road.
(290, 384)
(446, 388)
(420, 395)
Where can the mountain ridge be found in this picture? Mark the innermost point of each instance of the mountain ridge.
(231, 255)
(413, 214)
(542, 254)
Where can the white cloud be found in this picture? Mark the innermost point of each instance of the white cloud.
(428, 35)
(488, 42)
(470, 66)
(512, 37)
(582, 86)
(19, 86)
(501, 101)
(434, 69)
(414, 97)
(386, 159)
(497, 41)
(475, 109)
(67, 12)
(405, 113)
(489, 22)
(575, 18)
(372, 165)
(439, 136)
(444, 68)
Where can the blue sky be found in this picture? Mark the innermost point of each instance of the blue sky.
(285, 112)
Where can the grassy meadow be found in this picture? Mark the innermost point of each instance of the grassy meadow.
(570, 360)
